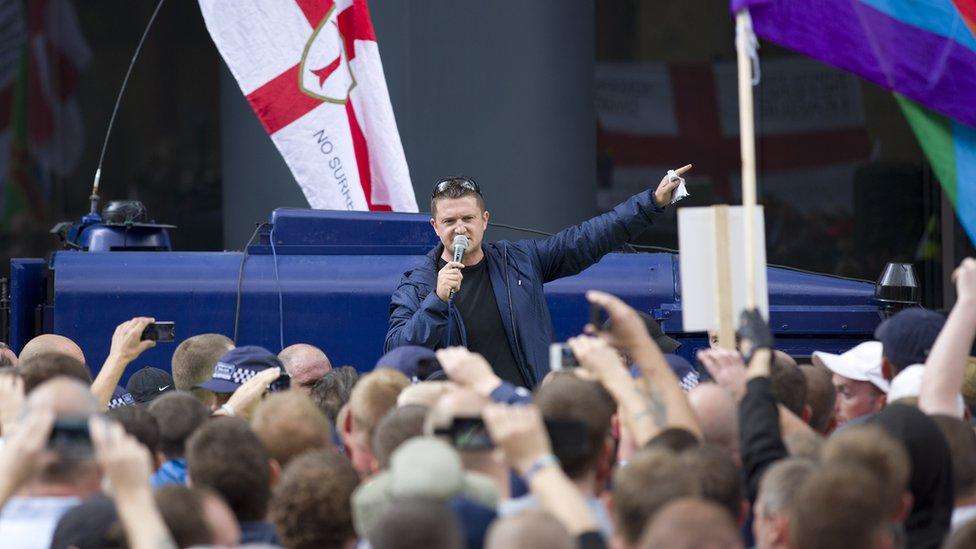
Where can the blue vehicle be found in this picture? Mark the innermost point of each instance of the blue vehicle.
(325, 278)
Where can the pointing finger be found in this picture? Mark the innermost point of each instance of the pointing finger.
(682, 169)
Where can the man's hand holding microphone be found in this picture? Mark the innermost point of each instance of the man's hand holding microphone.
(449, 277)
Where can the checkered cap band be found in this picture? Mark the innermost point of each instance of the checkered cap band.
(229, 372)
(125, 399)
(690, 381)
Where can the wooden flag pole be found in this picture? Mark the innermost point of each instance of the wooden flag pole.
(747, 141)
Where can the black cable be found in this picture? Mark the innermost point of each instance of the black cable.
(543, 233)
(118, 100)
(240, 276)
(523, 229)
(634, 248)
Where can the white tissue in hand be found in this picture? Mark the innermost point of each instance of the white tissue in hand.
(679, 192)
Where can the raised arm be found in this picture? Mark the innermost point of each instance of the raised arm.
(945, 366)
(575, 248)
(642, 420)
(760, 438)
(126, 347)
(471, 370)
(520, 433)
(127, 465)
(666, 402)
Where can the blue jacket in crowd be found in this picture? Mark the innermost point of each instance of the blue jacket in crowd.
(517, 271)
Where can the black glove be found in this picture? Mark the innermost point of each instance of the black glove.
(753, 328)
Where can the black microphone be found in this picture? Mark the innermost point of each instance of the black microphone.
(460, 245)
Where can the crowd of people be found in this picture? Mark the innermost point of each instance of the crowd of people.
(871, 448)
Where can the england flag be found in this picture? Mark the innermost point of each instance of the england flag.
(311, 71)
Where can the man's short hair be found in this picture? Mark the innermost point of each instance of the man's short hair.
(529, 529)
(311, 504)
(837, 506)
(568, 397)
(650, 480)
(374, 396)
(820, 396)
(138, 422)
(397, 426)
(332, 392)
(781, 483)
(454, 192)
(178, 414)
(789, 385)
(962, 445)
(225, 455)
(690, 522)
(194, 360)
(183, 512)
(40, 368)
(720, 479)
(871, 448)
(675, 439)
(417, 522)
(288, 424)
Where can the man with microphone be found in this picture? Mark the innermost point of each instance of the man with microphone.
(489, 297)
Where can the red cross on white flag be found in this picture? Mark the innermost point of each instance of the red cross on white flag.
(311, 71)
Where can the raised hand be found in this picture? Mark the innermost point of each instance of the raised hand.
(665, 189)
(468, 369)
(727, 369)
(127, 343)
(627, 330)
(520, 433)
(245, 399)
(23, 442)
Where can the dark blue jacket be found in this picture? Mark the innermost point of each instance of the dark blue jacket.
(517, 271)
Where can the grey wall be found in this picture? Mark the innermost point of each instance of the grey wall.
(499, 91)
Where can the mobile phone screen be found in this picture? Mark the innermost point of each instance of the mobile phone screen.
(70, 437)
(561, 357)
(160, 331)
(283, 383)
(470, 433)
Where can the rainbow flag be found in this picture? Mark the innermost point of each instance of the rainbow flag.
(924, 50)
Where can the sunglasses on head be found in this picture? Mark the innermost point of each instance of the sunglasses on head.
(455, 182)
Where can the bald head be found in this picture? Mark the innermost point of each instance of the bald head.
(63, 396)
(717, 414)
(691, 523)
(530, 529)
(52, 343)
(305, 363)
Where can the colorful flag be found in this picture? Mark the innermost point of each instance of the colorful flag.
(951, 149)
(311, 71)
(925, 50)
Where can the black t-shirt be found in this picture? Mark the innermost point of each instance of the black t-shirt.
(483, 322)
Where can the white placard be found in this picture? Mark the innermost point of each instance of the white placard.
(699, 268)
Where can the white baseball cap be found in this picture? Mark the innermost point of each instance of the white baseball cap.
(862, 363)
(908, 384)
